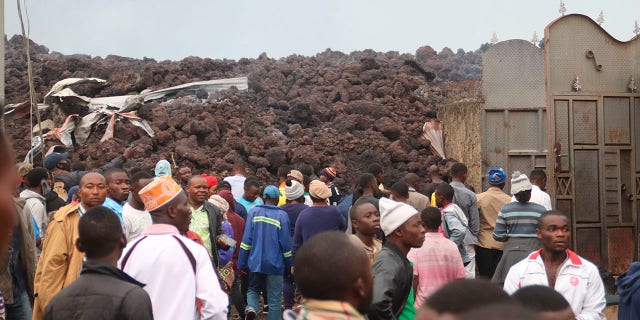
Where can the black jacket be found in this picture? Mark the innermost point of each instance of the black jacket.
(393, 278)
(72, 178)
(101, 292)
(215, 229)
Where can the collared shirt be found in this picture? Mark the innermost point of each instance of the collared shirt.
(578, 281)
(370, 251)
(435, 264)
(114, 205)
(489, 204)
(161, 263)
(538, 196)
(200, 225)
(81, 209)
(467, 201)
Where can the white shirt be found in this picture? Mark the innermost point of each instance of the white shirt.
(578, 281)
(135, 221)
(160, 262)
(237, 185)
(538, 196)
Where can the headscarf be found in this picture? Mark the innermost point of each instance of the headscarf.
(221, 203)
(211, 180)
(227, 195)
(163, 168)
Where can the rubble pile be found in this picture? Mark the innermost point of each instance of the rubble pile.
(332, 109)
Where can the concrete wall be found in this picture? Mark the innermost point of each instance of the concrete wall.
(463, 135)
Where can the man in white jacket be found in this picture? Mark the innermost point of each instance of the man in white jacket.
(577, 279)
(38, 182)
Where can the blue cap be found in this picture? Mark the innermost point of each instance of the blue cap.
(496, 176)
(271, 192)
(51, 161)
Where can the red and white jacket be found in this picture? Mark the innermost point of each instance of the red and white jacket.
(578, 281)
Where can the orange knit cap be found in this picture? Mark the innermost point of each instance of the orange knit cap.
(159, 192)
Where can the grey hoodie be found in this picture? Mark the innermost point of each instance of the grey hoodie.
(35, 207)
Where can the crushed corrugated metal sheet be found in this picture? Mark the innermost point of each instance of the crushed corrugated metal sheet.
(84, 113)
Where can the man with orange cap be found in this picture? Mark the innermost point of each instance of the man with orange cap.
(175, 269)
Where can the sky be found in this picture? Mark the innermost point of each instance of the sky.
(233, 29)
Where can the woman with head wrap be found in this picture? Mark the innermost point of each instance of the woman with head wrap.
(224, 255)
(163, 168)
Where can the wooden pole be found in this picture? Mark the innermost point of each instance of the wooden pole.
(2, 55)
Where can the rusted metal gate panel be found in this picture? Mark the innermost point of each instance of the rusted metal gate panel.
(514, 119)
(595, 177)
(595, 133)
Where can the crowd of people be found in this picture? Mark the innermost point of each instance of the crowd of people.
(151, 243)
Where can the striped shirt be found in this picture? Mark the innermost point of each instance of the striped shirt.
(517, 220)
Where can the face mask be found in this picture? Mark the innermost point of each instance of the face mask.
(46, 188)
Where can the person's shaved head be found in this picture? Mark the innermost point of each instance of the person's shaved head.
(93, 189)
(92, 176)
(550, 213)
(197, 189)
(446, 190)
(411, 179)
(118, 184)
(458, 170)
(109, 174)
(320, 257)
(546, 302)
(499, 311)
(462, 295)
(239, 166)
(99, 232)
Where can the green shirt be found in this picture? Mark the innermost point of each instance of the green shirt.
(409, 311)
(200, 225)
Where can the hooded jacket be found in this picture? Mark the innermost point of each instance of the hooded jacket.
(101, 292)
(35, 206)
(629, 290)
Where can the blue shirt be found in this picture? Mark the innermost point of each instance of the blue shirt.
(249, 205)
(115, 206)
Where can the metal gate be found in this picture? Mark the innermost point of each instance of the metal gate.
(596, 174)
(594, 137)
(514, 123)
